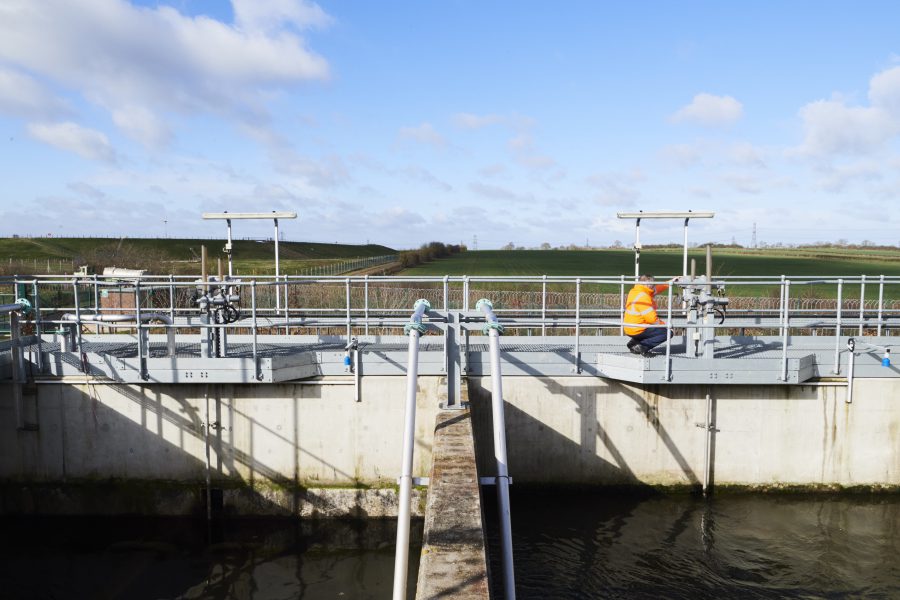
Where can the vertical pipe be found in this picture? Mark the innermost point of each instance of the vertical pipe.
(684, 261)
(96, 296)
(837, 328)
(785, 329)
(851, 358)
(466, 293)
(509, 582)
(401, 557)
(208, 468)
(287, 308)
(880, 302)
(709, 433)
(578, 325)
(862, 302)
(494, 327)
(277, 263)
(204, 271)
(544, 306)
(668, 375)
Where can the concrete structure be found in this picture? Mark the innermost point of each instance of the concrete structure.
(454, 563)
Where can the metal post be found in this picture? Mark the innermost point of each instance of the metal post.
(578, 325)
(710, 428)
(509, 582)
(253, 319)
(637, 248)
(77, 314)
(837, 328)
(544, 306)
(96, 296)
(347, 285)
(850, 360)
(140, 337)
(366, 306)
(229, 247)
(668, 375)
(621, 304)
(172, 297)
(880, 302)
(277, 264)
(37, 325)
(785, 329)
(684, 261)
(862, 302)
(401, 557)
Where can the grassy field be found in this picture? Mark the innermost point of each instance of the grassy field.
(662, 263)
(39, 255)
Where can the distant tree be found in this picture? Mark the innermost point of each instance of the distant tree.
(545, 246)
(509, 246)
(617, 244)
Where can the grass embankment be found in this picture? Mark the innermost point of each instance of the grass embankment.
(727, 263)
(178, 255)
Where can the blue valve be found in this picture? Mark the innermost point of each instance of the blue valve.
(347, 359)
(886, 361)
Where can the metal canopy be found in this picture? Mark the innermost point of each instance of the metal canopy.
(687, 216)
(247, 215)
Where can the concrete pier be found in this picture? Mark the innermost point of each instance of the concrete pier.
(453, 563)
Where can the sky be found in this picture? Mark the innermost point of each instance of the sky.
(483, 123)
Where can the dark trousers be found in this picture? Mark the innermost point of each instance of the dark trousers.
(650, 338)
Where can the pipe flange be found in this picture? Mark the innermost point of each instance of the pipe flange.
(482, 302)
(421, 328)
(486, 329)
(26, 306)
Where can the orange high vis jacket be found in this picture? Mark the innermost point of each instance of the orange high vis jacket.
(640, 308)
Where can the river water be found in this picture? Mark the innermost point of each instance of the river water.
(152, 559)
(595, 544)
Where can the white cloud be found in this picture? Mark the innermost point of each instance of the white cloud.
(470, 121)
(272, 15)
(616, 189)
(832, 127)
(22, 96)
(72, 137)
(709, 110)
(746, 154)
(425, 176)
(142, 125)
(495, 192)
(118, 56)
(424, 134)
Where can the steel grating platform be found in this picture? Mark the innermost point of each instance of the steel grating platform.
(737, 360)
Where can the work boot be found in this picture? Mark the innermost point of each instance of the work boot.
(634, 347)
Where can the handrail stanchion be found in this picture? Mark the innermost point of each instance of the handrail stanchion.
(349, 331)
(366, 300)
(578, 325)
(493, 328)
(837, 328)
(785, 329)
(401, 558)
(544, 306)
(668, 376)
(77, 336)
(172, 297)
(622, 303)
(253, 319)
(880, 302)
(862, 302)
(851, 358)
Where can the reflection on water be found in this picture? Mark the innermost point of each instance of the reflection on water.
(595, 544)
(135, 559)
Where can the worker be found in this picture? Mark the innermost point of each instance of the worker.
(640, 310)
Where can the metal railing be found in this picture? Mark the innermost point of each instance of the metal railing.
(549, 306)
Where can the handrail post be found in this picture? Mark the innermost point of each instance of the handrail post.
(621, 303)
(37, 324)
(862, 302)
(837, 328)
(77, 315)
(668, 375)
(493, 328)
(880, 302)
(256, 373)
(366, 301)
(349, 330)
(544, 306)
(401, 557)
(172, 297)
(578, 325)
(785, 329)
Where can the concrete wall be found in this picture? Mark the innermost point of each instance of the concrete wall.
(286, 434)
(572, 430)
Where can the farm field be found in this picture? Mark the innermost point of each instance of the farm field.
(667, 263)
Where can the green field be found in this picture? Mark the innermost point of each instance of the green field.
(163, 256)
(667, 263)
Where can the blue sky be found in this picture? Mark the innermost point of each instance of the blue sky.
(405, 122)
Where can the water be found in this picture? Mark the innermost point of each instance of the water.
(591, 544)
(137, 559)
